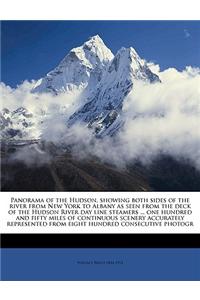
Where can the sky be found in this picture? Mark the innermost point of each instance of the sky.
(30, 49)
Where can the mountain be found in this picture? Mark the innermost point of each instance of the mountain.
(104, 80)
(103, 108)
(81, 67)
(17, 124)
(65, 173)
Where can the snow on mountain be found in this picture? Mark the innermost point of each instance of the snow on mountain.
(102, 82)
(104, 106)
(18, 124)
(82, 66)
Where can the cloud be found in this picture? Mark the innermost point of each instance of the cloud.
(163, 118)
(35, 103)
(187, 33)
(160, 118)
(48, 112)
(32, 155)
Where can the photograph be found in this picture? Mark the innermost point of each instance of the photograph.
(100, 106)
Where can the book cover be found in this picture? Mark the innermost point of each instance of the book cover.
(100, 139)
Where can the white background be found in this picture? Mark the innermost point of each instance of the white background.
(104, 9)
(100, 9)
(194, 200)
(100, 290)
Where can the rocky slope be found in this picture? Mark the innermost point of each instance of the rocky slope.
(63, 172)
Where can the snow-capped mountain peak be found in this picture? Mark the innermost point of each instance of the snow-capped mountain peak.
(95, 46)
(102, 82)
(77, 68)
(128, 64)
(104, 106)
